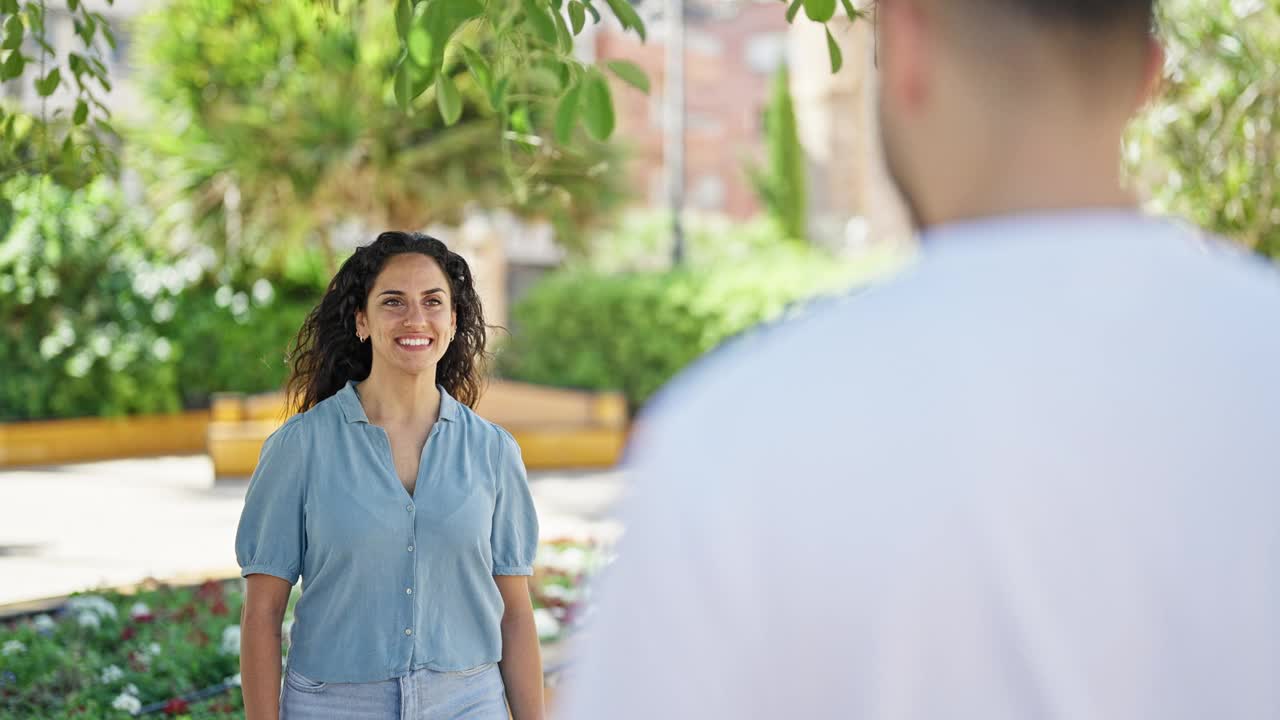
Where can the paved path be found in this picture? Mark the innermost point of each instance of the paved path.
(73, 527)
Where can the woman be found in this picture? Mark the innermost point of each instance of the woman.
(407, 516)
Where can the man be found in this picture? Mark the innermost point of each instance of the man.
(1035, 476)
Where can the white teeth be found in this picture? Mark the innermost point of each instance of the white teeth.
(416, 342)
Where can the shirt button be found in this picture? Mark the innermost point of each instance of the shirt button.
(409, 507)
(410, 548)
(408, 591)
(408, 631)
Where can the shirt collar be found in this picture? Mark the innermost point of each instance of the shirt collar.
(353, 411)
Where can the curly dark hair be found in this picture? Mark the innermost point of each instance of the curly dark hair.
(326, 354)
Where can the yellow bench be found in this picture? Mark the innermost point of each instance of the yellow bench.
(555, 428)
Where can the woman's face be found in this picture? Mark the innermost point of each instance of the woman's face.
(408, 316)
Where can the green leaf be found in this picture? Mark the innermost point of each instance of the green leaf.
(563, 36)
(833, 49)
(402, 86)
(404, 14)
(420, 42)
(820, 10)
(13, 65)
(564, 73)
(597, 106)
(82, 113)
(9, 6)
(577, 16)
(499, 95)
(49, 84)
(480, 69)
(448, 99)
(793, 10)
(519, 120)
(630, 74)
(108, 33)
(13, 30)
(567, 115)
(628, 17)
(595, 14)
(455, 12)
(536, 16)
(850, 11)
(35, 18)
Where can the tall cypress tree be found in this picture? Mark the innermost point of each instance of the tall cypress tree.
(781, 184)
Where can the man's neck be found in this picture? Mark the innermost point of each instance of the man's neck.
(1045, 160)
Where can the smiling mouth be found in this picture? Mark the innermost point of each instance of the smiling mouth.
(415, 343)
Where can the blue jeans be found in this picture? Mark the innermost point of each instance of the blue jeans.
(475, 694)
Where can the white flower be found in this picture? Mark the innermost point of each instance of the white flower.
(95, 604)
(13, 647)
(131, 689)
(139, 610)
(234, 680)
(571, 560)
(128, 703)
(89, 619)
(231, 640)
(154, 649)
(558, 592)
(44, 623)
(547, 624)
(111, 673)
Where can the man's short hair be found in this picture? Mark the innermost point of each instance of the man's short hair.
(1101, 15)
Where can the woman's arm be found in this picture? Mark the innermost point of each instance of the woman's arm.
(266, 598)
(521, 663)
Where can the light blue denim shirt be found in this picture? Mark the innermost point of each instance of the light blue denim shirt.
(392, 582)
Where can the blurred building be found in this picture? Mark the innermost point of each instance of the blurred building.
(851, 199)
(732, 50)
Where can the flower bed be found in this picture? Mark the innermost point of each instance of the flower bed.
(175, 651)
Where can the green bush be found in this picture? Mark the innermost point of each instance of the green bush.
(1208, 149)
(94, 322)
(235, 340)
(634, 331)
(79, 295)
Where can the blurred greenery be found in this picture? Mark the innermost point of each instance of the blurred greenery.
(79, 299)
(236, 340)
(781, 184)
(272, 124)
(95, 322)
(1209, 148)
(622, 329)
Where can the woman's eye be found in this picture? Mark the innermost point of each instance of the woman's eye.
(392, 301)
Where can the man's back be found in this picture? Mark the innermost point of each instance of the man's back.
(1034, 476)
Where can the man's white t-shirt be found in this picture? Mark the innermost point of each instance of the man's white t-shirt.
(1037, 475)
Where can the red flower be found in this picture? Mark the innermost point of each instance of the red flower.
(209, 591)
(220, 607)
(146, 618)
(128, 633)
(176, 706)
